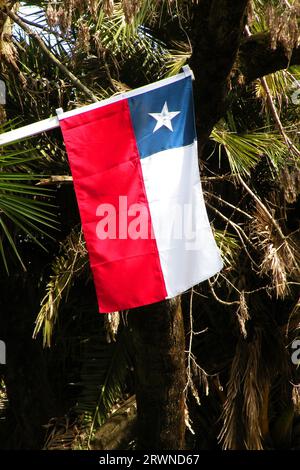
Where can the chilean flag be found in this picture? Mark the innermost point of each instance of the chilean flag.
(134, 163)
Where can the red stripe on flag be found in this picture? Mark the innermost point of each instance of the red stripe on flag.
(105, 165)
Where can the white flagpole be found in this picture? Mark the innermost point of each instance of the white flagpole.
(53, 122)
(29, 131)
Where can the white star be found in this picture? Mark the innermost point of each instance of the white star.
(164, 118)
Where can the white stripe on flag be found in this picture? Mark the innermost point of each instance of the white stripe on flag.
(186, 246)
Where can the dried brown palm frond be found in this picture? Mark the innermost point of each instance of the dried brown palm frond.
(280, 259)
(130, 8)
(283, 26)
(233, 428)
(247, 398)
(111, 325)
(296, 397)
(83, 36)
(290, 182)
(93, 6)
(52, 14)
(61, 433)
(255, 391)
(58, 15)
(120, 87)
(3, 399)
(8, 51)
(61, 13)
(108, 7)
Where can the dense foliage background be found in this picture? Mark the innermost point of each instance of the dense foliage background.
(241, 386)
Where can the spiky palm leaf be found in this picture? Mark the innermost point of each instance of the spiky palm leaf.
(104, 49)
(244, 151)
(24, 207)
(105, 367)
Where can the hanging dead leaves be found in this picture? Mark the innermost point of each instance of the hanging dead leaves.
(130, 8)
(61, 15)
(284, 27)
(280, 259)
(7, 49)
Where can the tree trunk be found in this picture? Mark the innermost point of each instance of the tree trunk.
(216, 35)
(158, 331)
(159, 343)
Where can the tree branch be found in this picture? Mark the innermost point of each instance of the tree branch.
(217, 31)
(257, 58)
(55, 179)
(274, 112)
(51, 56)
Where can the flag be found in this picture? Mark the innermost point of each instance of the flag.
(134, 163)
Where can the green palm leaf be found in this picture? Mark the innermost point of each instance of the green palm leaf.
(24, 207)
(244, 151)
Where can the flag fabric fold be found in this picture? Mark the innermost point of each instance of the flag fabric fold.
(135, 169)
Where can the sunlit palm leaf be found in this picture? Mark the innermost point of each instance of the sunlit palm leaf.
(244, 151)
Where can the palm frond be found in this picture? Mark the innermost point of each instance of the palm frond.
(65, 269)
(177, 57)
(244, 398)
(105, 367)
(279, 85)
(24, 208)
(280, 258)
(229, 246)
(244, 151)
(3, 399)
